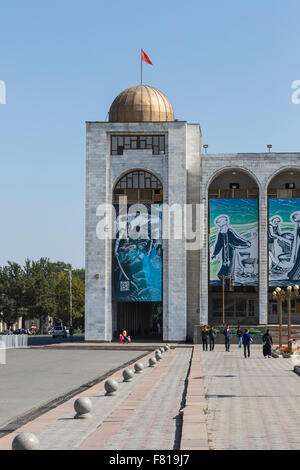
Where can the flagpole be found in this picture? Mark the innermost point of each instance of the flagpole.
(141, 67)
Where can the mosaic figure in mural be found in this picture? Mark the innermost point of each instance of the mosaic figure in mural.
(233, 248)
(138, 262)
(284, 242)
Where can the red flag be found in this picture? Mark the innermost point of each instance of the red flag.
(146, 58)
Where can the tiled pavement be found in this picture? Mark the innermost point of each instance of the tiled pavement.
(143, 415)
(252, 403)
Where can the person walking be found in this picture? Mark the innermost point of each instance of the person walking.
(71, 333)
(239, 333)
(212, 336)
(204, 335)
(267, 344)
(227, 335)
(247, 340)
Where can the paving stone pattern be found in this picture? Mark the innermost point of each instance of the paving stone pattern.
(253, 403)
(144, 414)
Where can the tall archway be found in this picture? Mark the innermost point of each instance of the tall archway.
(233, 237)
(284, 239)
(137, 263)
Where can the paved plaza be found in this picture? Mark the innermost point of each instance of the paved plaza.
(191, 400)
(144, 414)
(252, 403)
(33, 377)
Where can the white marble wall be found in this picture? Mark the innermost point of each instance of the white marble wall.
(103, 171)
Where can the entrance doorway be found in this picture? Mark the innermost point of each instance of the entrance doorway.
(141, 320)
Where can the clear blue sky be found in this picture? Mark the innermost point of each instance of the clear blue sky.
(228, 65)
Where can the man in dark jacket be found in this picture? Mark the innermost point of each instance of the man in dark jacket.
(204, 335)
(247, 340)
(240, 336)
(227, 335)
(212, 336)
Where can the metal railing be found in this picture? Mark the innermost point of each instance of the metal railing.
(13, 341)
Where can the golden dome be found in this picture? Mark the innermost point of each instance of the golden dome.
(141, 103)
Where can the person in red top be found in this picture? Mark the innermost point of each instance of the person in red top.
(125, 339)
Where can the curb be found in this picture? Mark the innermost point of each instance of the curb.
(194, 434)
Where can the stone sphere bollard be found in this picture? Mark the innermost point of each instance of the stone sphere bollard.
(83, 406)
(25, 441)
(158, 356)
(127, 375)
(152, 362)
(138, 367)
(162, 350)
(111, 387)
(166, 348)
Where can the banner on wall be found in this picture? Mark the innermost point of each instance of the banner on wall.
(138, 260)
(284, 242)
(233, 241)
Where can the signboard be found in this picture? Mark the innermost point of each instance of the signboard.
(137, 260)
(284, 242)
(233, 241)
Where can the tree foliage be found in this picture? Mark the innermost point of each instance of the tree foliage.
(40, 289)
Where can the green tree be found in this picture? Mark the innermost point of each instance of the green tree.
(40, 295)
(62, 297)
(12, 293)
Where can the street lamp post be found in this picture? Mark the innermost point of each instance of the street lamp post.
(291, 293)
(70, 287)
(230, 288)
(70, 278)
(281, 295)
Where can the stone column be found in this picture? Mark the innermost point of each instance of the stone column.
(263, 254)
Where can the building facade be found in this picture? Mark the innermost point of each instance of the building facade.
(242, 209)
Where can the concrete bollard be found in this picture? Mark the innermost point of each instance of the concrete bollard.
(111, 387)
(83, 406)
(127, 375)
(138, 367)
(152, 362)
(158, 356)
(162, 350)
(25, 441)
(166, 348)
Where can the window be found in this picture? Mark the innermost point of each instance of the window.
(139, 186)
(156, 143)
(139, 179)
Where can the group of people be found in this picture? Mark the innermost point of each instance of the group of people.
(209, 334)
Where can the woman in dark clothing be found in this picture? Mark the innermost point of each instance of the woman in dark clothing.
(268, 342)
